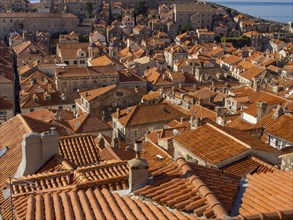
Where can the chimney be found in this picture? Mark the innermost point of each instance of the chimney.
(261, 110)
(182, 119)
(103, 115)
(255, 85)
(138, 169)
(218, 110)
(118, 112)
(194, 122)
(115, 142)
(278, 112)
(37, 149)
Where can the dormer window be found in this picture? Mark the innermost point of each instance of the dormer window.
(47, 97)
(35, 98)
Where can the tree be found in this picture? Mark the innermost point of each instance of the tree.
(237, 42)
(140, 8)
(89, 8)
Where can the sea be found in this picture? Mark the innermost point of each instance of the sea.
(275, 10)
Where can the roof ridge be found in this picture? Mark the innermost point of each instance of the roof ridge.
(76, 135)
(82, 122)
(131, 114)
(102, 165)
(211, 198)
(42, 175)
(202, 188)
(25, 122)
(264, 163)
(230, 136)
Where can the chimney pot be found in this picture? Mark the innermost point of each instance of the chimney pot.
(118, 113)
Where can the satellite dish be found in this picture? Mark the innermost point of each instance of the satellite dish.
(176, 132)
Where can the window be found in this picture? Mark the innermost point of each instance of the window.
(32, 110)
(73, 106)
(134, 133)
(75, 62)
(60, 107)
(82, 62)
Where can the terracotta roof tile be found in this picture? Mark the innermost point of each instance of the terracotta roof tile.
(79, 149)
(147, 114)
(178, 185)
(18, 126)
(281, 127)
(232, 60)
(268, 192)
(104, 60)
(252, 72)
(90, 204)
(5, 104)
(201, 112)
(150, 152)
(220, 145)
(92, 94)
(88, 123)
(43, 115)
(249, 165)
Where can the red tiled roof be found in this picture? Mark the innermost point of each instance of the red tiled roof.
(202, 112)
(282, 127)
(88, 123)
(239, 123)
(5, 104)
(16, 126)
(92, 94)
(268, 192)
(210, 144)
(79, 149)
(249, 165)
(90, 204)
(148, 114)
(180, 185)
(150, 152)
(43, 115)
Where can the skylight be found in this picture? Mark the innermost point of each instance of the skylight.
(3, 150)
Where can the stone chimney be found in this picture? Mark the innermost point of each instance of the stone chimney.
(37, 149)
(278, 112)
(118, 113)
(255, 85)
(261, 110)
(138, 169)
(115, 142)
(194, 121)
(103, 115)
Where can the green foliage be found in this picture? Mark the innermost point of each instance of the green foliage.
(237, 42)
(117, 17)
(140, 8)
(83, 38)
(89, 8)
(286, 40)
(218, 39)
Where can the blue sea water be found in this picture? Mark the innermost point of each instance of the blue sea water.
(281, 11)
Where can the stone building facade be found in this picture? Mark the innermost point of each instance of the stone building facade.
(73, 79)
(195, 15)
(51, 22)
